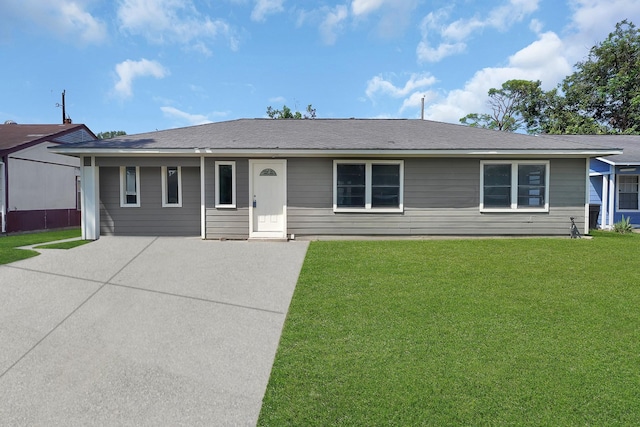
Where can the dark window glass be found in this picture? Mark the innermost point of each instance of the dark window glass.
(385, 186)
(628, 192)
(225, 184)
(497, 186)
(172, 185)
(350, 185)
(131, 195)
(531, 185)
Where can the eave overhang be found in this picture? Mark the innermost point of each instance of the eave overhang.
(614, 163)
(282, 153)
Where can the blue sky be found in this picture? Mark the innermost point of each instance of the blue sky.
(142, 65)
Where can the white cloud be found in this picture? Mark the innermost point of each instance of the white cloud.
(66, 19)
(379, 85)
(414, 102)
(593, 20)
(173, 21)
(362, 7)
(332, 23)
(189, 119)
(543, 60)
(430, 54)
(278, 100)
(550, 58)
(452, 36)
(129, 70)
(266, 7)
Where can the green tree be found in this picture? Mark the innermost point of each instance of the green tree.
(601, 96)
(110, 134)
(606, 86)
(513, 106)
(286, 113)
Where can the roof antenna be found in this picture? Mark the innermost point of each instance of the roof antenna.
(422, 113)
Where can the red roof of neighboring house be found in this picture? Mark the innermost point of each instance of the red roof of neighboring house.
(17, 136)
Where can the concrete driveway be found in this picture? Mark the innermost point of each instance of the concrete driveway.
(143, 331)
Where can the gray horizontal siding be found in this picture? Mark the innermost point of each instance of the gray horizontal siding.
(225, 222)
(150, 218)
(441, 197)
(423, 221)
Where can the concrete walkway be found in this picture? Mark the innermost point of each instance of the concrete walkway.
(143, 331)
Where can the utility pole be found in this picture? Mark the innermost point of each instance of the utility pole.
(65, 120)
(64, 111)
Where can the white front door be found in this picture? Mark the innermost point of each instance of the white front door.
(268, 199)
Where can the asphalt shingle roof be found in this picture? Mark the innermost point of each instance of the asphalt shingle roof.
(630, 144)
(15, 135)
(333, 134)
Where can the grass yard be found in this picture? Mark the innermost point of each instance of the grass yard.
(8, 244)
(462, 332)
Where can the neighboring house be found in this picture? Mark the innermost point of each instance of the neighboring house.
(614, 189)
(39, 189)
(262, 178)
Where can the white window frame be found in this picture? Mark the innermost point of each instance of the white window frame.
(123, 196)
(233, 184)
(514, 185)
(368, 186)
(165, 195)
(618, 186)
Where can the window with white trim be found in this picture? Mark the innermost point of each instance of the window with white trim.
(370, 185)
(628, 192)
(225, 187)
(507, 186)
(130, 186)
(171, 186)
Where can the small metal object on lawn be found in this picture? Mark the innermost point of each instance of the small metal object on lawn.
(575, 233)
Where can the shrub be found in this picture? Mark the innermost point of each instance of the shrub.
(623, 226)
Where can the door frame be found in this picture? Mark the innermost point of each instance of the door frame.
(268, 235)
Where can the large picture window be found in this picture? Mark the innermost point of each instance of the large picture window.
(628, 192)
(171, 186)
(129, 186)
(225, 184)
(374, 185)
(514, 186)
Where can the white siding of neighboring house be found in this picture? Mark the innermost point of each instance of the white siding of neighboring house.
(39, 179)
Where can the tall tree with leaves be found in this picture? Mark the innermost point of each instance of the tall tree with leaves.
(513, 106)
(601, 96)
(606, 86)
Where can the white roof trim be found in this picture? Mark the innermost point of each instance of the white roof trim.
(610, 162)
(327, 153)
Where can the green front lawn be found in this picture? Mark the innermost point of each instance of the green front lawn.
(462, 332)
(8, 244)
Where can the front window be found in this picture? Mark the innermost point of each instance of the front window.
(171, 186)
(130, 186)
(514, 185)
(225, 184)
(628, 192)
(368, 185)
